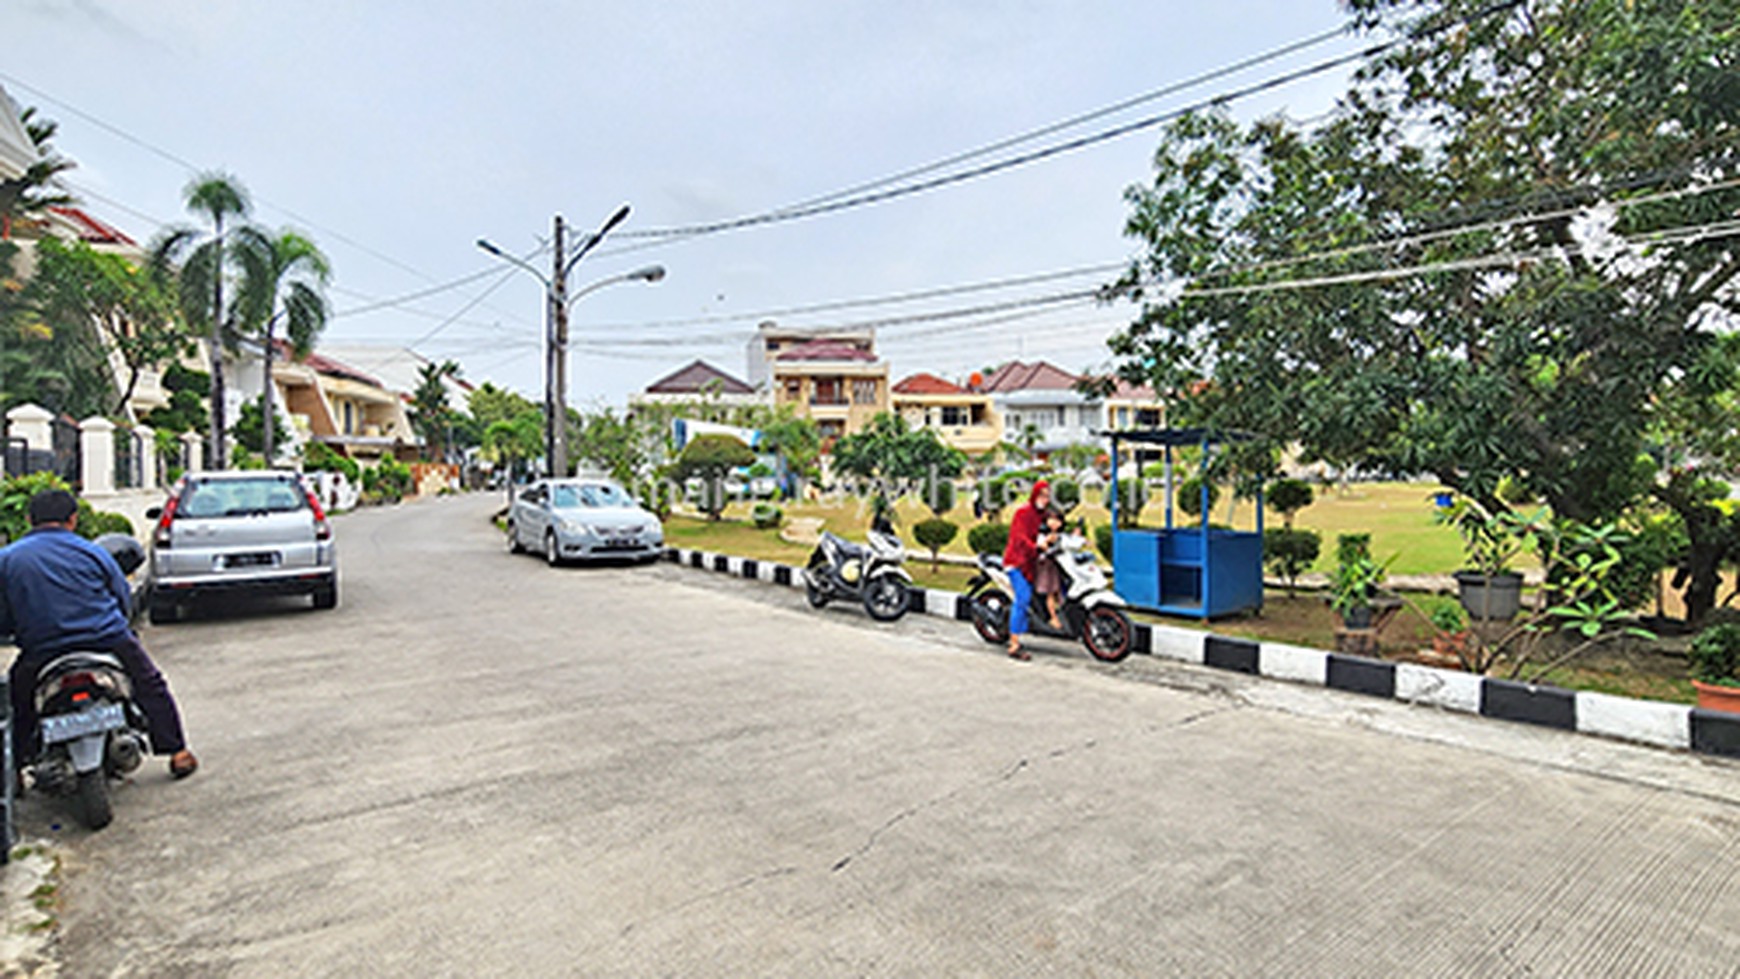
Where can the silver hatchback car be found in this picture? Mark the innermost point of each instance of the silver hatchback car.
(246, 532)
(582, 518)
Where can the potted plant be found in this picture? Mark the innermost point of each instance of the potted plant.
(1715, 663)
(1354, 584)
(1488, 589)
(1450, 632)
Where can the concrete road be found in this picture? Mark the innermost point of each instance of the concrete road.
(482, 766)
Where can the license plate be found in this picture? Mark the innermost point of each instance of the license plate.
(262, 559)
(93, 720)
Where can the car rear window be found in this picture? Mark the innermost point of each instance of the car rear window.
(241, 497)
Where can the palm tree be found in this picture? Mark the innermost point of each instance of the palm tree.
(283, 280)
(217, 197)
(434, 415)
(33, 190)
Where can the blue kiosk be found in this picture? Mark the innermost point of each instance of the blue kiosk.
(1199, 572)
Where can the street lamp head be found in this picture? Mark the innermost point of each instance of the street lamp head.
(652, 273)
(486, 246)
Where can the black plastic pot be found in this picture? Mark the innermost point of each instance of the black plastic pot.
(1490, 599)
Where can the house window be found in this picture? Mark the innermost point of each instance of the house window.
(1148, 417)
(349, 419)
(794, 389)
(954, 415)
(828, 391)
(864, 392)
(1061, 414)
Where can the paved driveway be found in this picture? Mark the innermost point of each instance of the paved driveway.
(480, 766)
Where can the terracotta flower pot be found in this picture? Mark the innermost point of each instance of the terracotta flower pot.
(1713, 696)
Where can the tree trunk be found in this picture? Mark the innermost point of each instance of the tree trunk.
(267, 415)
(218, 430)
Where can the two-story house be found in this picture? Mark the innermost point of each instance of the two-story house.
(771, 340)
(840, 385)
(961, 416)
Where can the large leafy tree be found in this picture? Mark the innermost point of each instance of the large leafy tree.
(889, 451)
(199, 263)
(105, 304)
(283, 282)
(1492, 257)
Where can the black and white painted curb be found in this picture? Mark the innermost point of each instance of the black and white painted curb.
(1624, 718)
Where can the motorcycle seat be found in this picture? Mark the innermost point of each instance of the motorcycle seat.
(992, 561)
(80, 660)
(847, 548)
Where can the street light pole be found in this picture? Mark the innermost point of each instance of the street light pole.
(557, 302)
(557, 452)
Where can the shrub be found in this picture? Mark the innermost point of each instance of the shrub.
(988, 538)
(939, 494)
(389, 480)
(320, 457)
(15, 494)
(1065, 495)
(935, 534)
(1103, 540)
(1189, 497)
(96, 523)
(766, 516)
(1288, 553)
(1288, 496)
(1715, 655)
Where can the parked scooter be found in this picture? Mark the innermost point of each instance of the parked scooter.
(91, 730)
(1088, 609)
(868, 573)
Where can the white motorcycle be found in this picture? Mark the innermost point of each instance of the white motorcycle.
(869, 573)
(1088, 609)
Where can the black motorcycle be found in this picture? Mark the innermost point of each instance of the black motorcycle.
(91, 729)
(868, 573)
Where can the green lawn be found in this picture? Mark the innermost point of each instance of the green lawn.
(1397, 515)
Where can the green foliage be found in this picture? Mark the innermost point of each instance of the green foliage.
(1491, 538)
(1103, 535)
(1356, 578)
(1189, 497)
(249, 429)
(888, 451)
(611, 442)
(766, 516)
(15, 494)
(939, 494)
(1065, 495)
(935, 534)
(186, 412)
(1551, 372)
(988, 538)
(760, 470)
(388, 480)
(320, 457)
(710, 458)
(1715, 655)
(1288, 553)
(1288, 496)
(1448, 617)
(431, 415)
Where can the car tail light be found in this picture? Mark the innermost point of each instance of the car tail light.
(161, 538)
(322, 529)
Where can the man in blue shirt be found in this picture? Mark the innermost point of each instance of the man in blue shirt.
(59, 593)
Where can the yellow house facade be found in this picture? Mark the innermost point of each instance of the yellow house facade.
(962, 418)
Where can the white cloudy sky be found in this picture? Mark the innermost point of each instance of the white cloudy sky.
(397, 133)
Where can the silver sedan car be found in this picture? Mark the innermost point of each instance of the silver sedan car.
(567, 519)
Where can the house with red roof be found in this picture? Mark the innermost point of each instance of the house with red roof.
(838, 382)
(320, 398)
(962, 417)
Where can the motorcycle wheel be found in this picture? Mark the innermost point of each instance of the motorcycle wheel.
(92, 800)
(991, 617)
(817, 597)
(1108, 634)
(885, 599)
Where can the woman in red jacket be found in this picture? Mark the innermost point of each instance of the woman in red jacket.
(1018, 559)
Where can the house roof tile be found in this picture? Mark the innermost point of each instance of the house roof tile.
(696, 378)
(927, 384)
(1037, 376)
(825, 349)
